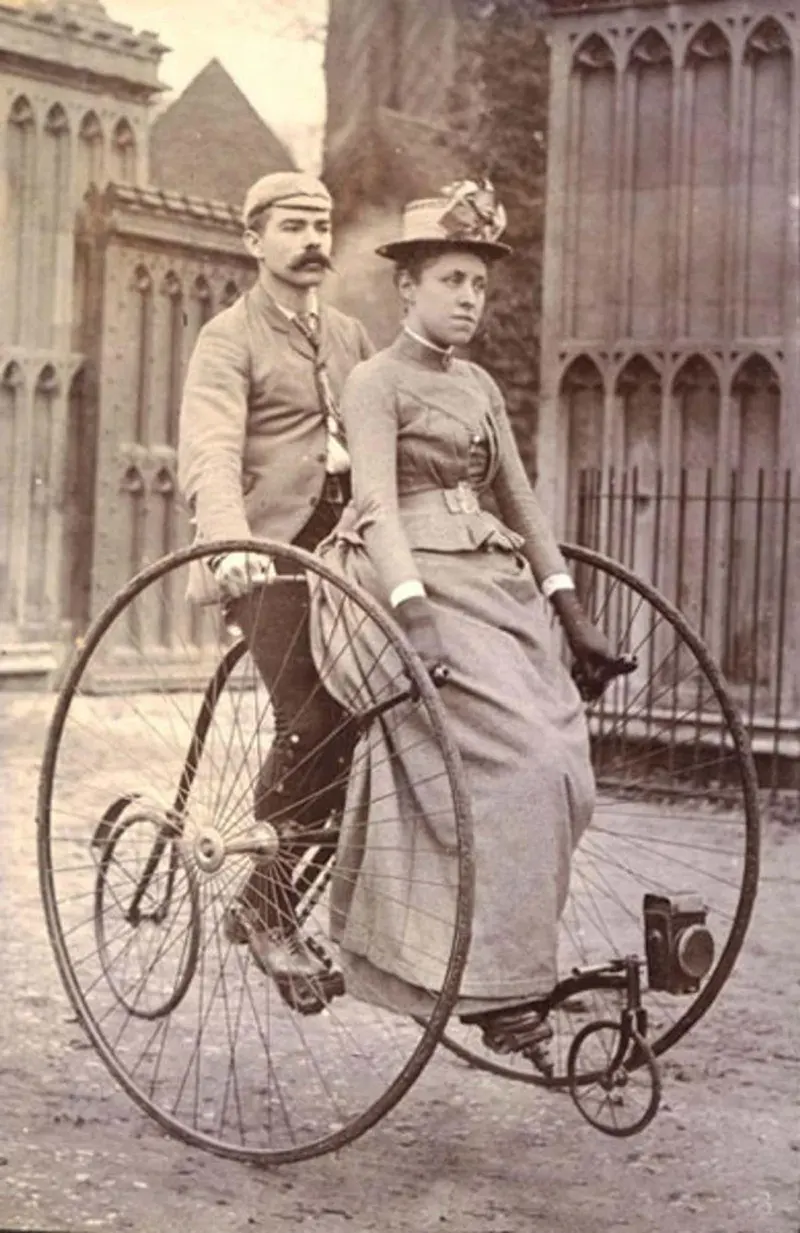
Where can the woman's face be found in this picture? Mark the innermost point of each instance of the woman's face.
(446, 303)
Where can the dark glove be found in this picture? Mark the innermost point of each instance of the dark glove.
(417, 619)
(596, 664)
(592, 674)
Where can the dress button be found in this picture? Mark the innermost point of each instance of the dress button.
(321, 457)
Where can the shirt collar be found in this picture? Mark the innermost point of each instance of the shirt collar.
(311, 309)
(414, 346)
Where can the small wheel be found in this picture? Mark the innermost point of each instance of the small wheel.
(613, 1095)
(151, 822)
(147, 928)
(677, 809)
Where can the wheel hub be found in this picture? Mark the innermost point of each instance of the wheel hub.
(211, 848)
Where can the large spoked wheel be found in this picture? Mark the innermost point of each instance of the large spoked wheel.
(180, 825)
(677, 810)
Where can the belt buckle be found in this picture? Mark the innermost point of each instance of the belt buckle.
(466, 498)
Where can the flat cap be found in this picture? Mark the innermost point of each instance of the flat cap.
(298, 189)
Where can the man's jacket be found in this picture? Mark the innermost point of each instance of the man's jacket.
(252, 437)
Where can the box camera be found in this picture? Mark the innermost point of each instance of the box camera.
(678, 945)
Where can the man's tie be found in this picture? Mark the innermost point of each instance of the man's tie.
(309, 326)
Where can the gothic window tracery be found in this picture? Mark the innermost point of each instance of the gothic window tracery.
(21, 112)
(755, 522)
(142, 287)
(41, 495)
(593, 53)
(756, 388)
(769, 38)
(649, 103)
(21, 162)
(172, 288)
(708, 142)
(582, 400)
(582, 396)
(632, 517)
(55, 217)
(651, 48)
(202, 297)
(709, 43)
(123, 153)
(592, 108)
(90, 151)
(11, 410)
(767, 136)
(75, 582)
(697, 403)
(638, 388)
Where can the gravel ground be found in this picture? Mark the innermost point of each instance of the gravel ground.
(463, 1151)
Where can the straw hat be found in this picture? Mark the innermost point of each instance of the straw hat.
(466, 215)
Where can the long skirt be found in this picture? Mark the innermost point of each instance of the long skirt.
(519, 726)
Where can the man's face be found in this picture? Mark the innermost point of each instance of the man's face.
(293, 244)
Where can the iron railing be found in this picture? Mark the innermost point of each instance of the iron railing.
(720, 547)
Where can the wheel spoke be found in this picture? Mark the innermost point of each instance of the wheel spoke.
(664, 741)
(168, 750)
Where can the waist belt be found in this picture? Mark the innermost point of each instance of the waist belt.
(462, 499)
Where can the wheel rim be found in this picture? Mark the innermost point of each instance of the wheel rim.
(612, 1096)
(220, 1060)
(667, 820)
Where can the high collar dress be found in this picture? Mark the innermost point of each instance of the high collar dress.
(429, 437)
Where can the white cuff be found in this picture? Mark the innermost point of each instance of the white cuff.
(412, 589)
(557, 582)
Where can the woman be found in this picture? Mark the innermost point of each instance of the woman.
(427, 433)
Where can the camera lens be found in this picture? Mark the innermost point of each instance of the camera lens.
(695, 951)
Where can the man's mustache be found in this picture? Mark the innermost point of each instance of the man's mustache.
(313, 256)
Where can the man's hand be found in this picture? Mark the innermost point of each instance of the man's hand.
(596, 664)
(238, 572)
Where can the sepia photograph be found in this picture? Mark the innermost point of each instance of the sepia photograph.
(399, 630)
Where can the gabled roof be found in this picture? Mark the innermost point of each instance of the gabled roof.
(211, 142)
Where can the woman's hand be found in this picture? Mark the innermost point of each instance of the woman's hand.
(417, 619)
(596, 663)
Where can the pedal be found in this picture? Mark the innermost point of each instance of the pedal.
(310, 997)
(540, 1058)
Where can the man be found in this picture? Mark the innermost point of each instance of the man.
(261, 454)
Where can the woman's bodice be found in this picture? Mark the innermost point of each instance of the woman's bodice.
(445, 432)
(427, 433)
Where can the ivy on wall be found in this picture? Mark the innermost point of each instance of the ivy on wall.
(498, 117)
